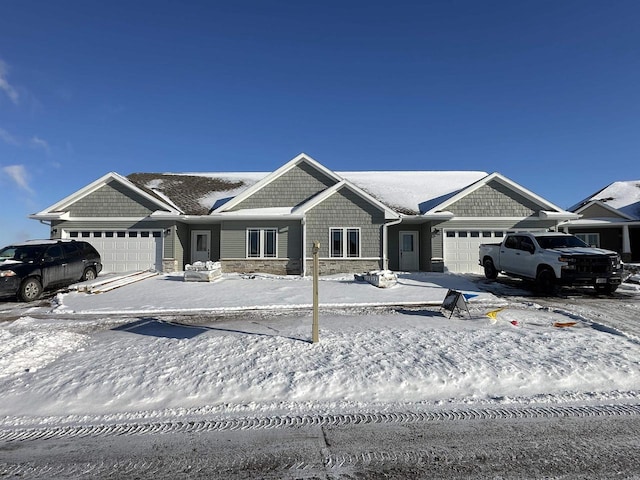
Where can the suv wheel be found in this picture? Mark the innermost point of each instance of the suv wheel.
(89, 274)
(30, 290)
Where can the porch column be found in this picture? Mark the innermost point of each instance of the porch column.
(626, 244)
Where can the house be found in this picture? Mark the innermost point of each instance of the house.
(610, 218)
(268, 222)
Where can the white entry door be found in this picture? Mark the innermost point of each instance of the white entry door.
(409, 256)
(200, 246)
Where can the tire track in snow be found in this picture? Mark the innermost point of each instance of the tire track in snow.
(301, 421)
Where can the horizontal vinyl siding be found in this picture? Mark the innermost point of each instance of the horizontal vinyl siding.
(233, 238)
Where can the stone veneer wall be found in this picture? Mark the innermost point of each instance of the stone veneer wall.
(294, 267)
(169, 265)
(329, 267)
(262, 265)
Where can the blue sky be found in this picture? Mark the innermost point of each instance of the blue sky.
(545, 92)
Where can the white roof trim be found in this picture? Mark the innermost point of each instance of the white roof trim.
(558, 215)
(602, 204)
(600, 223)
(389, 214)
(303, 157)
(92, 187)
(505, 181)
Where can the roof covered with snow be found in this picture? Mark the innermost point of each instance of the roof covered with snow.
(623, 196)
(408, 192)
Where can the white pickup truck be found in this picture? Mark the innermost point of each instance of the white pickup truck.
(552, 259)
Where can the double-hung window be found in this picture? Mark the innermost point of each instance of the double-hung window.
(344, 242)
(262, 243)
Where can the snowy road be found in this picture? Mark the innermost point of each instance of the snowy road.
(568, 447)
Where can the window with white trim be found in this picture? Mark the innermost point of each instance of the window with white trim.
(591, 239)
(344, 242)
(262, 242)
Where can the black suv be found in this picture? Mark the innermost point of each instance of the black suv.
(26, 269)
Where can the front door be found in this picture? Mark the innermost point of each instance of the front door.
(409, 257)
(200, 246)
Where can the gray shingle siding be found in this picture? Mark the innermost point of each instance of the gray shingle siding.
(494, 200)
(112, 200)
(115, 225)
(292, 188)
(346, 209)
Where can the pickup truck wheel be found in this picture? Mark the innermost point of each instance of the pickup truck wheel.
(490, 270)
(30, 290)
(546, 281)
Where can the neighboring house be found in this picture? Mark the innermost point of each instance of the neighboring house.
(268, 222)
(610, 219)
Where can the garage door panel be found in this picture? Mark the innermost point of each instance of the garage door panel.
(125, 251)
(461, 248)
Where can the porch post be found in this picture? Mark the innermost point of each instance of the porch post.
(304, 247)
(626, 244)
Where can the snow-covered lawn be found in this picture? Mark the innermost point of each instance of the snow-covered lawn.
(74, 368)
(235, 292)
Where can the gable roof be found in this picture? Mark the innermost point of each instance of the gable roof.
(611, 213)
(389, 214)
(548, 209)
(58, 210)
(401, 191)
(294, 162)
(413, 193)
(624, 197)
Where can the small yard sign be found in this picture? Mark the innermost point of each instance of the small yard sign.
(454, 300)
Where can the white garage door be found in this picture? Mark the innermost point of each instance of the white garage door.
(125, 251)
(461, 248)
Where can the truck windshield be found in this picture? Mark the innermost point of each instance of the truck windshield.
(561, 241)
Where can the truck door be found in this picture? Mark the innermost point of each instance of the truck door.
(510, 255)
(528, 258)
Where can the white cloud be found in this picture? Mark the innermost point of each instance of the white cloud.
(37, 142)
(6, 137)
(19, 175)
(11, 92)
